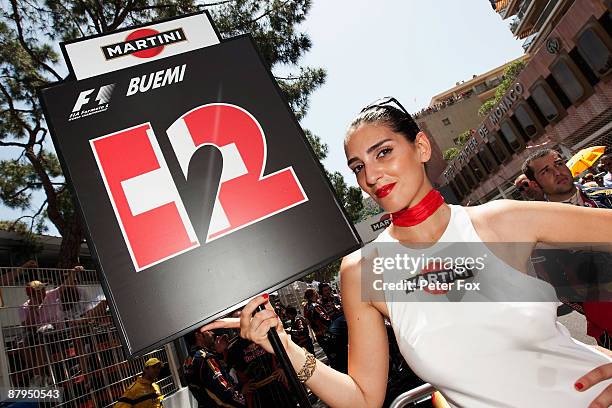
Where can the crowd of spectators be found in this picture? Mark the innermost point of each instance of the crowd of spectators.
(48, 315)
(583, 273)
(443, 104)
(225, 370)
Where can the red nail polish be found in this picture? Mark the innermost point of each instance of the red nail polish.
(579, 386)
(265, 296)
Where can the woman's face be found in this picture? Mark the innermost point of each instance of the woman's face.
(388, 167)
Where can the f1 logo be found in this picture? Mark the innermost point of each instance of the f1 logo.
(103, 97)
(151, 214)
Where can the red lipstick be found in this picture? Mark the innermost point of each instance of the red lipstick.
(384, 190)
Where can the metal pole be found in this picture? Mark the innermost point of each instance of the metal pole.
(412, 395)
(283, 359)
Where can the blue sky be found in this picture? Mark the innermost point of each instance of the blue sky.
(411, 49)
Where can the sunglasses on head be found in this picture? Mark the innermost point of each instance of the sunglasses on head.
(382, 102)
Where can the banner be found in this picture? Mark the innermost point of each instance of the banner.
(125, 48)
(197, 186)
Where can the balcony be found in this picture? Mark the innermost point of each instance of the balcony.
(532, 16)
(524, 10)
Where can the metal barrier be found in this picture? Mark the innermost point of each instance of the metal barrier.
(413, 395)
(67, 340)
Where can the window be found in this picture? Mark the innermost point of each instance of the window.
(488, 161)
(536, 111)
(463, 188)
(498, 149)
(468, 177)
(585, 69)
(456, 190)
(478, 169)
(524, 119)
(446, 121)
(544, 103)
(606, 22)
(595, 52)
(558, 92)
(480, 88)
(510, 136)
(567, 80)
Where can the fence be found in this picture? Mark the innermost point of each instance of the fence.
(67, 340)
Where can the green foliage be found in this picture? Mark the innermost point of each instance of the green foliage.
(370, 209)
(510, 73)
(486, 107)
(349, 197)
(463, 138)
(450, 153)
(320, 149)
(29, 32)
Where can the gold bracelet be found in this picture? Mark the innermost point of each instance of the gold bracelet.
(309, 367)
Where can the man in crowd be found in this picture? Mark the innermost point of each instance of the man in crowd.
(330, 301)
(206, 377)
(318, 319)
(299, 330)
(338, 329)
(606, 162)
(263, 381)
(144, 392)
(547, 168)
(530, 190)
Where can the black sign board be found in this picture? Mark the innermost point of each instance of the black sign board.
(197, 187)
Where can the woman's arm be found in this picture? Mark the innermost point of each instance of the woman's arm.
(365, 385)
(522, 221)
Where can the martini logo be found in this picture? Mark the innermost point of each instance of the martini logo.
(85, 105)
(384, 222)
(437, 278)
(143, 43)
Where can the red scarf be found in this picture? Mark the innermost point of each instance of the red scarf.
(409, 217)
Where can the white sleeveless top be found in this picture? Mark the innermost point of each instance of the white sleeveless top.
(482, 352)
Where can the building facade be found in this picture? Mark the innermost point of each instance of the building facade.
(454, 111)
(560, 100)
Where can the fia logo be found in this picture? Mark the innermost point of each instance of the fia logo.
(85, 106)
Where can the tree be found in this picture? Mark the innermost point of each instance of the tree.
(370, 209)
(510, 73)
(28, 59)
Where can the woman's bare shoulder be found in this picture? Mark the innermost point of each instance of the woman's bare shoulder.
(493, 220)
(365, 254)
(514, 221)
(355, 266)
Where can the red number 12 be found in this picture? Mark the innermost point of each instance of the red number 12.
(148, 207)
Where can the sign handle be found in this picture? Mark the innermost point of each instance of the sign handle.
(283, 359)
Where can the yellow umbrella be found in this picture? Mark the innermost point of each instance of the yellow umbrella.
(585, 159)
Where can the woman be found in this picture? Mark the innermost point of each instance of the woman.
(509, 354)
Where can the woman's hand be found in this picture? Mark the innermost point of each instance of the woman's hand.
(593, 377)
(254, 327)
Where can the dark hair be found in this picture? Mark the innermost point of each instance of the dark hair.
(190, 338)
(291, 310)
(526, 168)
(323, 286)
(388, 115)
(309, 293)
